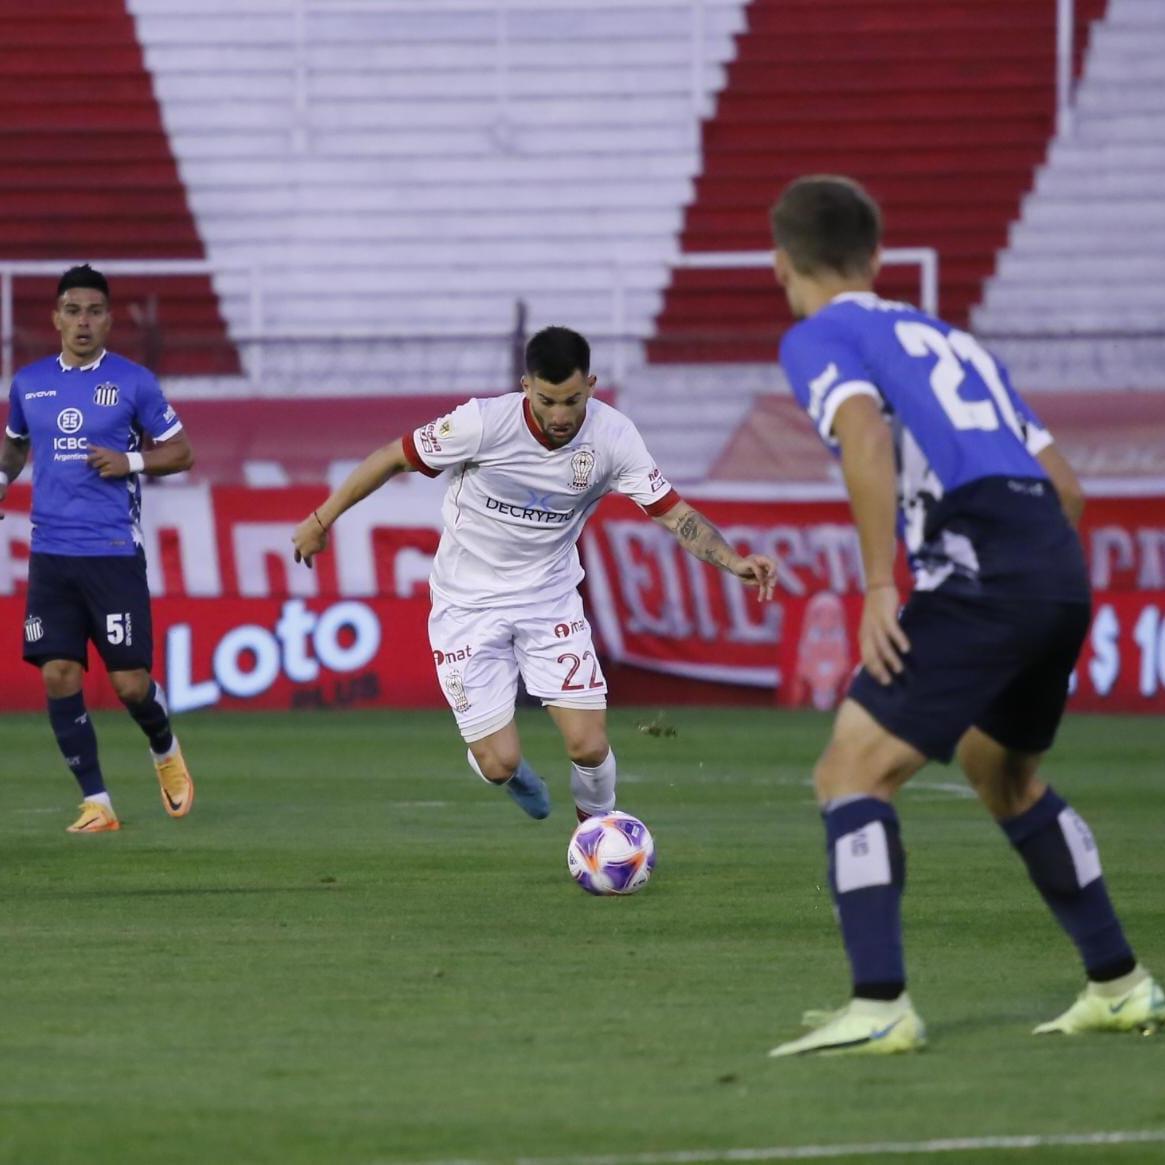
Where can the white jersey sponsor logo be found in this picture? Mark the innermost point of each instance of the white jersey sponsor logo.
(515, 507)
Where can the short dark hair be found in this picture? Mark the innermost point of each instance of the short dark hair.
(556, 354)
(825, 221)
(82, 276)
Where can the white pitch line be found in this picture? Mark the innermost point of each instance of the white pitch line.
(833, 1152)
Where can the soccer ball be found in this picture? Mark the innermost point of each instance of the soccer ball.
(611, 854)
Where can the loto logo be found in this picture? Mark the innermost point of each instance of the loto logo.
(566, 630)
(249, 659)
(70, 420)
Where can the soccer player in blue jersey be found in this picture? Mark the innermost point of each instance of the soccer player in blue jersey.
(937, 448)
(85, 413)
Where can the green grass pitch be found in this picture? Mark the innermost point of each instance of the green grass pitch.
(354, 953)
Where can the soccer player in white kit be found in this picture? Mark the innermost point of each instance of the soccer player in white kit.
(526, 471)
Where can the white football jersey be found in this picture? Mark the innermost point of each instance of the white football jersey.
(515, 505)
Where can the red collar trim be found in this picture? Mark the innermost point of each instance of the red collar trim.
(532, 425)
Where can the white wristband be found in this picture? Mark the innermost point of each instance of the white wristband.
(3, 479)
(137, 463)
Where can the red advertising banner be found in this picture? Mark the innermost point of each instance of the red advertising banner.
(262, 653)
(239, 624)
(657, 607)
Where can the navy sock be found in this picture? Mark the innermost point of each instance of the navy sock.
(77, 741)
(1061, 856)
(867, 872)
(153, 718)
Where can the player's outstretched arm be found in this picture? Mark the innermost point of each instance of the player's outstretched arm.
(311, 535)
(1064, 480)
(867, 463)
(13, 455)
(700, 537)
(166, 457)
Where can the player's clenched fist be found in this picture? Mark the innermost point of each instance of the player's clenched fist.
(310, 537)
(108, 462)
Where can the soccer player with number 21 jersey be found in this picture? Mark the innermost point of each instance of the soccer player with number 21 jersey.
(84, 414)
(525, 471)
(936, 445)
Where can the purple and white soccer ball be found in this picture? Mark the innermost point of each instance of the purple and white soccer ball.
(611, 854)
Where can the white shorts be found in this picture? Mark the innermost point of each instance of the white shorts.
(479, 653)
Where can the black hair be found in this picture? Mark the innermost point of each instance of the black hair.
(83, 276)
(556, 354)
(825, 221)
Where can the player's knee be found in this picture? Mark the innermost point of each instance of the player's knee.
(588, 748)
(131, 687)
(497, 765)
(862, 768)
(62, 677)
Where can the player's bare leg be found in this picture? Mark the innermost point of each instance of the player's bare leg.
(1063, 861)
(145, 701)
(497, 759)
(592, 769)
(862, 767)
(63, 680)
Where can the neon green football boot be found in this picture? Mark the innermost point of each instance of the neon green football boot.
(864, 1027)
(1135, 1002)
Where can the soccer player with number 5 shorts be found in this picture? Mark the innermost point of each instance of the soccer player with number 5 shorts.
(525, 472)
(937, 447)
(85, 413)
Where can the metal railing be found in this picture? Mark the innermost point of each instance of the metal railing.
(925, 258)
(10, 269)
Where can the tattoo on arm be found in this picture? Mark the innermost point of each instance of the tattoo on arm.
(699, 537)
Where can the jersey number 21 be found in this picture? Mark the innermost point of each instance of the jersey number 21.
(955, 352)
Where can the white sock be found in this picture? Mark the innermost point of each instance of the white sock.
(1115, 988)
(168, 753)
(593, 789)
(100, 799)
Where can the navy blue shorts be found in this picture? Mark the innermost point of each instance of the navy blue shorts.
(73, 600)
(998, 665)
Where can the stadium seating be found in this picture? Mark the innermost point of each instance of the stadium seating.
(87, 172)
(411, 170)
(943, 110)
(1084, 258)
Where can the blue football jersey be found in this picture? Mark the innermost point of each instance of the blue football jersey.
(63, 411)
(976, 509)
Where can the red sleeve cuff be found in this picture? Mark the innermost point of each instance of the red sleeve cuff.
(414, 458)
(669, 501)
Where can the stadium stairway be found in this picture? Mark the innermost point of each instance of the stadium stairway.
(942, 110)
(88, 173)
(414, 169)
(1086, 255)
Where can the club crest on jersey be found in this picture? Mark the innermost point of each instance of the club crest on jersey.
(582, 465)
(455, 686)
(70, 420)
(33, 629)
(106, 394)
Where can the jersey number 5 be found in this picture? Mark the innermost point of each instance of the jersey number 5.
(955, 352)
(115, 628)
